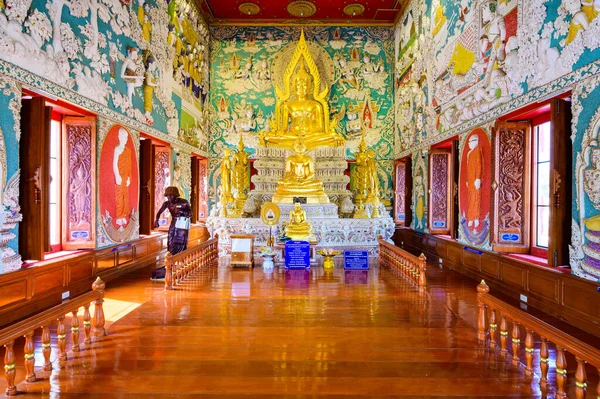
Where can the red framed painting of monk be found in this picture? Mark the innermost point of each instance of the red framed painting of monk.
(475, 187)
(119, 184)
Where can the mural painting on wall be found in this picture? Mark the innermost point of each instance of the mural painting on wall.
(468, 58)
(130, 56)
(119, 185)
(585, 230)
(400, 200)
(353, 62)
(79, 172)
(162, 180)
(475, 185)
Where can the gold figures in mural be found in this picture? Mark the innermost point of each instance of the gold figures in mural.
(122, 171)
(474, 177)
(299, 179)
(149, 85)
(299, 228)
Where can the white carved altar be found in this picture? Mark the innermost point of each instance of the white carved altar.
(330, 232)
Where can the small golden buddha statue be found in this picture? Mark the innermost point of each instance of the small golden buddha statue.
(362, 173)
(299, 179)
(299, 228)
(240, 175)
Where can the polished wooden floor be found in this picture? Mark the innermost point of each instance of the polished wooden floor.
(300, 334)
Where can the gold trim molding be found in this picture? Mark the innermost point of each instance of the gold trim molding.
(249, 8)
(354, 9)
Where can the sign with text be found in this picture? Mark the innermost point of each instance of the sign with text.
(356, 260)
(297, 255)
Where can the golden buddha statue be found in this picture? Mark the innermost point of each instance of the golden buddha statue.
(226, 196)
(299, 228)
(240, 176)
(361, 172)
(299, 179)
(372, 178)
(301, 114)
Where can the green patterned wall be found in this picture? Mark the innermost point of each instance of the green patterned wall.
(357, 64)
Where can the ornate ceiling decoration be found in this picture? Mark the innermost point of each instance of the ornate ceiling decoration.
(249, 8)
(309, 12)
(302, 9)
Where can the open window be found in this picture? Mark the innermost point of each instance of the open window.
(199, 196)
(533, 161)
(58, 169)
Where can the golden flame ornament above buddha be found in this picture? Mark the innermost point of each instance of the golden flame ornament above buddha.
(301, 115)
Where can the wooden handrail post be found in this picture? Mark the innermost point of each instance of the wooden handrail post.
(580, 379)
(503, 335)
(98, 324)
(87, 324)
(482, 290)
(493, 328)
(29, 356)
(561, 373)
(75, 331)
(516, 343)
(544, 355)
(529, 353)
(61, 336)
(9, 368)
(46, 349)
(422, 268)
(168, 273)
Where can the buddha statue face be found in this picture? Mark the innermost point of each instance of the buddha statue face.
(302, 83)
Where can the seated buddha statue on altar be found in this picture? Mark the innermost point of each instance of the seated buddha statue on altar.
(299, 228)
(301, 116)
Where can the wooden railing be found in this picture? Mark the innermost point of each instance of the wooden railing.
(491, 309)
(181, 265)
(414, 266)
(26, 328)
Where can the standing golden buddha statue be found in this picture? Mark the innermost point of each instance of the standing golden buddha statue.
(226, 173)
(301, 115)
(240, 177)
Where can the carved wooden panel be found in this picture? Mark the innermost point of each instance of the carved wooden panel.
(79, 171)
(440, 191)
(162, 179)
(512, 187)
(400, 193)
(203, 189)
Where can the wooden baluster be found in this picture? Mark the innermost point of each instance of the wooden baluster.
(168, 273)
(544, 355)
(75, 331)
(9, 368)
(422, 268)
(493, 327)
(46, 349)
(482, 290)
(29, 356)
(561, 373)
(580, 379)
(98, 324)
(62, 341)
(516, 343)
(503, 335)
(87, 324)
(529, 353)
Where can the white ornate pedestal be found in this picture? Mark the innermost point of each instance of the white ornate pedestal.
(330, 232)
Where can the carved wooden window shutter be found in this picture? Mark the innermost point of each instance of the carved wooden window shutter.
(400, 193)
(146, 187)
(34, 154)
(162, 179)
(440, 191)
(79, 182)
(512, 188)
